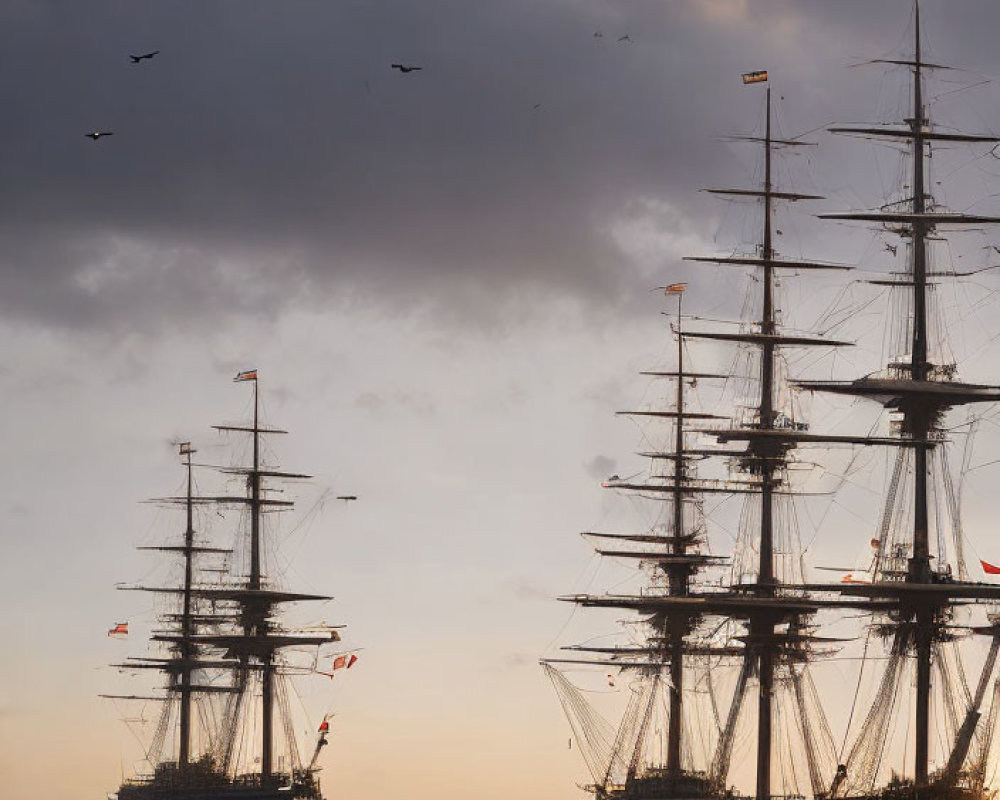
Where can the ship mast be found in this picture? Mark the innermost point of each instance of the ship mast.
(679, 574)
(762, 625)
(672, 617)
(187, 627)
(187, 654)
(777, 634)
(921, 396)
(919, 425)
(766, 458)
(261, 639)
(255, 619)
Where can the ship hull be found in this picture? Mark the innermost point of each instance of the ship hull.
(204, 783)
(658, 785)
(925, 793)
(234, 792)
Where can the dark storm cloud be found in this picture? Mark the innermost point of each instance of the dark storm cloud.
(270, 155)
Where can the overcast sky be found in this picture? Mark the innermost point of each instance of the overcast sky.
(443, 278)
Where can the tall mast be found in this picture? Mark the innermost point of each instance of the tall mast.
(187, 628)
(679, 574)
(762, 625)
(253, 481)
(918, 424)
(258, 619)
(261, 640)
(766, 458)
(921, 395)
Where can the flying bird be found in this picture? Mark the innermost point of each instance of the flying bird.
(598, 35)
(98, 134)
(404, 68)
(137, 59)
(347, 497)
(625, 38)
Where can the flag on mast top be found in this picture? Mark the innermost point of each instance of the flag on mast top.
(675, 288)
(760, 76)
(246, 375)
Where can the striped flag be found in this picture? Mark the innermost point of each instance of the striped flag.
(675, 288)
(246, 375)
(760, 76)
(120, 629)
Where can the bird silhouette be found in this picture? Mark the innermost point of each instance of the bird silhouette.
(347, 497)
(137, 59)
(598, 35)
(404, 68)
(98, 134)
(625, 38)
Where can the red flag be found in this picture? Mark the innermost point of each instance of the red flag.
(340, 662)
(121, 628)
(324, 726)
(351, 660)
(989, 569)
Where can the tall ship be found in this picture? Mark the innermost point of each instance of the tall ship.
(225, 726)
(717, 654)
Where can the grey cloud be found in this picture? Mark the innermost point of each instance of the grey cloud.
(269, 156)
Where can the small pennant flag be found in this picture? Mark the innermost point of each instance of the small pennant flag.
(185, 448)
(989, 568)
(246, 375)
(876, 544)
(351, 660)
(120, 629)
(324, 726)
(675, 288)
(760, 76)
